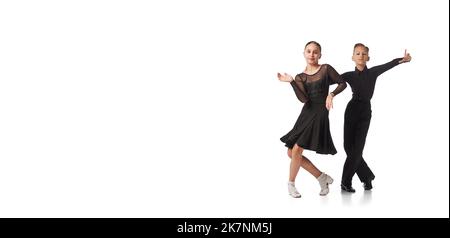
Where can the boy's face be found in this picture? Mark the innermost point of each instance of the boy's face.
(360, 56)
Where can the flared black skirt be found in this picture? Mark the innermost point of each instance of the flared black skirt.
(311, 130)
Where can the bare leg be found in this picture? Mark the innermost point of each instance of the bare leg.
(296, 159)
(305, 163)
(310, 167)
(296, 162)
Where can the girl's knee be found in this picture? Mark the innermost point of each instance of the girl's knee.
(297, 149)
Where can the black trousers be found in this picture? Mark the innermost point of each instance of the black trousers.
(356, 125)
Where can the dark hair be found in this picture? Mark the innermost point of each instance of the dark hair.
(362, 45)
(314, 42)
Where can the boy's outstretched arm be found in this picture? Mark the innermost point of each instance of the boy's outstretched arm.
(385, 67)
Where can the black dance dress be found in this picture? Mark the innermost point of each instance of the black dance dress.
(312, 129)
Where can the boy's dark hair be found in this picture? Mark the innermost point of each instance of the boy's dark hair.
(362, 45)
(314, 42)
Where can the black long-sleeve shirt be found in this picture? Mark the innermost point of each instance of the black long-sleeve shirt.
(363, 82)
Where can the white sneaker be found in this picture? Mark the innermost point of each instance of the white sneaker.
(324, 180)
(293, 191)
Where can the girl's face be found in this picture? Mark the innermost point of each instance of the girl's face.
(360, 56)
(312, 54)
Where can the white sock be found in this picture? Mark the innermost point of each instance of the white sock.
(322, 177)
(293, 190)
(324, 180)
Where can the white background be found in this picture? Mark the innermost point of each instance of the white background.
(173, 109)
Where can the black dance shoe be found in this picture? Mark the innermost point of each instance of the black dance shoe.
(347, 188)
(368, 185)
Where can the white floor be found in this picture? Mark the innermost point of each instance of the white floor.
(233, 184)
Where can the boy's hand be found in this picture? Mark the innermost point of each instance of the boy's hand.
(406, 58)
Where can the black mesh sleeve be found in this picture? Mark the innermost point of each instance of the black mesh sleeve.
(299, 89)
(334, 77)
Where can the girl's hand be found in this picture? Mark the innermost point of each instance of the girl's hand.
(285, 77)
(329, 102)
